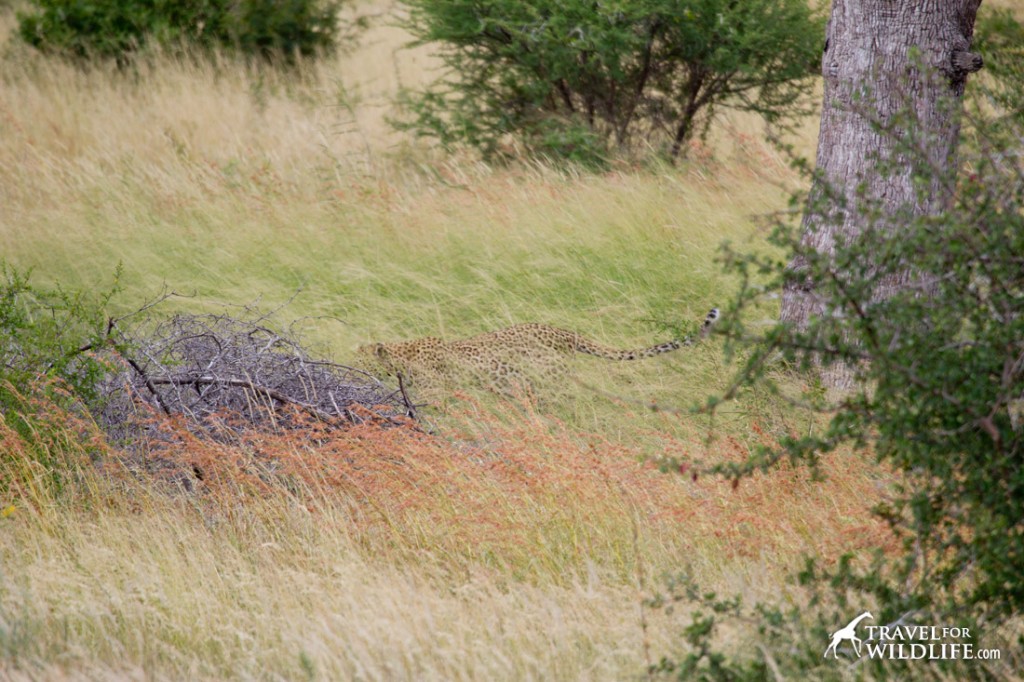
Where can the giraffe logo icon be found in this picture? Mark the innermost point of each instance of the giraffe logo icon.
(850, 633)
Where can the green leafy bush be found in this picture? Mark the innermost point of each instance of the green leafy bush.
(939, 365)
(118, 29)
(49, 334)
(51, 373)
(578, 79)
(939, 396)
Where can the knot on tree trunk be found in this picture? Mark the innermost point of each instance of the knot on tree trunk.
(964, 62)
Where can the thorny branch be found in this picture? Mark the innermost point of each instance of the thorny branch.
(203, 366)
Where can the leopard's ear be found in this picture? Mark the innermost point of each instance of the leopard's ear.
(380, 351)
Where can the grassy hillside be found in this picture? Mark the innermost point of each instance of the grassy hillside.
(236, 186)
(516, 544)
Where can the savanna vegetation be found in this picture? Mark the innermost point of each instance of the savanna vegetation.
(583, 80)
(119, 30)
(497, 538)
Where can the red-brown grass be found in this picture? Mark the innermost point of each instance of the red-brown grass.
(300, 520)
(532, 496)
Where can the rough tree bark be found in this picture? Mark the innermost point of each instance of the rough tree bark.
(871, 73)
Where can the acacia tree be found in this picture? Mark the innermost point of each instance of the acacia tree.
(881, 58)
(938, 379)
(577, 79)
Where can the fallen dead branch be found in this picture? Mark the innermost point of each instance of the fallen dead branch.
(201, 367)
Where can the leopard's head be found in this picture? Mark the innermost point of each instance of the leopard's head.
(377, 359)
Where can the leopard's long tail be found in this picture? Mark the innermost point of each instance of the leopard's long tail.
(587, 346)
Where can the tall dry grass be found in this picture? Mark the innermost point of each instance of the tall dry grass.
(240, 184)
(517, 543)
(514, 552)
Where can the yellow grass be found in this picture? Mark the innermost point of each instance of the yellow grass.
(516, 544)
(389, 557)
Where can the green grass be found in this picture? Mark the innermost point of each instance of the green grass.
(616, 258)
(510, 546)
(194, 184)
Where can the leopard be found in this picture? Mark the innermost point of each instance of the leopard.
(511, 357)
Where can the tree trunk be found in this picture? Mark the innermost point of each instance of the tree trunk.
(870, 75)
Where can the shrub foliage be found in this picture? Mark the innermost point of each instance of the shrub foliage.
(940, 397)
(576, 79)
(940, 364)
(110, 28)
(50, 333)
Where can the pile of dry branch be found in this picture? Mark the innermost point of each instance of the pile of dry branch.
(202, 368)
